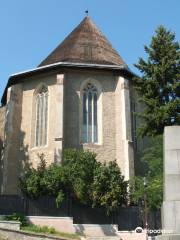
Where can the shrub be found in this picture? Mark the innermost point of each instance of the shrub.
(31, 181)
(109, 190)
(17, 217)
(80, 176)
(79, 167)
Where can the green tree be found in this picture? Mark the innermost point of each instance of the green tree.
(93, 183)
(109, 190)
(159, 85)
(79, 167)
(153, 158)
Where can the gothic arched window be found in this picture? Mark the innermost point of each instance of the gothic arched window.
(41, 117)
(89, 105)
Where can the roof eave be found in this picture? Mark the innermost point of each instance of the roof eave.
(70, 64)
(53, 66)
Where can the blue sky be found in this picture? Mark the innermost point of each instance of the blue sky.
(30, 30)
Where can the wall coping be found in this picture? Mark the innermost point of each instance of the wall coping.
(94, 225)
(49, 217)
(10, 222)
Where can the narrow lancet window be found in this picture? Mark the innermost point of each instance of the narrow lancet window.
(41, 117)
(90, 127)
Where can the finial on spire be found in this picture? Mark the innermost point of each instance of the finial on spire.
(87, 12)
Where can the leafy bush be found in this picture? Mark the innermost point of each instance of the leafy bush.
(17, 217)
(31, 182)
(80, 176)
(109, 190)
(79, 167)
(43, 181)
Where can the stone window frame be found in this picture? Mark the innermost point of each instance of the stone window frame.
(34, 117)
(98, 86)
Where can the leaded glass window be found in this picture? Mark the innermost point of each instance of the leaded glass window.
(41, 117)
(90, 124)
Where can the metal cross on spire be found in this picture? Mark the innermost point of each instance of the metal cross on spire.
(87, 12)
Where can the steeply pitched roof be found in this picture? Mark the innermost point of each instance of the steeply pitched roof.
(85, 44)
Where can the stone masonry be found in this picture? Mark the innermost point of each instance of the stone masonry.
(2, 123)
(84, 57)
(115, 143)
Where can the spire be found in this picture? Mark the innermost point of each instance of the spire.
(85, 44)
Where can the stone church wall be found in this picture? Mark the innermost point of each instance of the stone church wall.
(116, 142)
(115, 130)
(106, 150)
(20, 151)
(2, 119)
(29, 153)
(11, 163)
(2, 122)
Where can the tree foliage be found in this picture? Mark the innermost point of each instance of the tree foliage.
(109, 189)
(79, 167)
(31, 181)
(81, 177)
(159, 85)
(43, 180)
(153, 158)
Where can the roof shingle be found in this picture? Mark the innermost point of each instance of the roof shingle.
(85, 44)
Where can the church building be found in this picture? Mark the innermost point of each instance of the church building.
(80, 97)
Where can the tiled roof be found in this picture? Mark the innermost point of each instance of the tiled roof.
(85, 44)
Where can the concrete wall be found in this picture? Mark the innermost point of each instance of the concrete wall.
(65, 224)
(97, 230)
(61, 224)
(12, 225)
(128, 235)
(171, 204)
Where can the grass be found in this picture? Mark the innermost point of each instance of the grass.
(49, 230)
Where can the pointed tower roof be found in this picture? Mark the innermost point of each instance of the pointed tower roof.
(85, 44)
